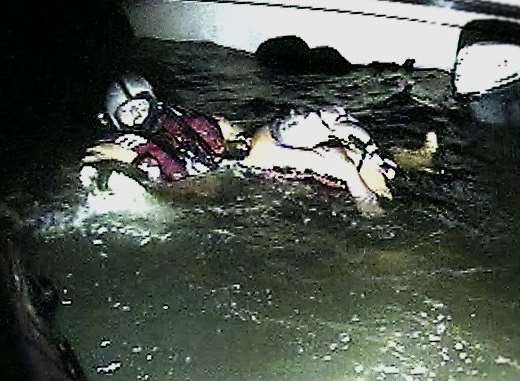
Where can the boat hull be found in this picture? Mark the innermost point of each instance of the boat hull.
(361, 30)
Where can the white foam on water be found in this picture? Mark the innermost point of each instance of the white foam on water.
(125, 208)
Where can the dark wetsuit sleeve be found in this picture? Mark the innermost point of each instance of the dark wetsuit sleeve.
(172, 169)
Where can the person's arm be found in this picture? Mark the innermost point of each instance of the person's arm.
(123, 150)
(109, 151)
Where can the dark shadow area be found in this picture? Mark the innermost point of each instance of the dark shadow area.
(58, 57)
(31, 350)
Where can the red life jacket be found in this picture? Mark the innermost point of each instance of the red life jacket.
(182, 143)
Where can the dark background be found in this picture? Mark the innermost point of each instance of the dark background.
(59, 52)
(58, 57)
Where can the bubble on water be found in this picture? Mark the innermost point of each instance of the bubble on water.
(441, 329)
(344, 337)
(137, 349)
(105, 343)
(145, 241)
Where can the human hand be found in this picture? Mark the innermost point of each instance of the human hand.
(130, 141)
(109, 151)
(230, 131)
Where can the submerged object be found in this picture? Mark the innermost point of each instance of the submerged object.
(29, 352)
(487, 71)
(420, 159)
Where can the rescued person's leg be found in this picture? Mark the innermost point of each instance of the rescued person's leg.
(334, 163)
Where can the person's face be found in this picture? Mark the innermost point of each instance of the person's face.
(133, 113)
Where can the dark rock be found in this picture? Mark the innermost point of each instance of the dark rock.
(409, 64)
(327, 60)
(288, 53)
(293, 55)
(384, 66)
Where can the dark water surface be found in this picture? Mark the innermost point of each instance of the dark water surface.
(234, 277)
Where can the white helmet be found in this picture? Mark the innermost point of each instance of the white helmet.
(128, 87)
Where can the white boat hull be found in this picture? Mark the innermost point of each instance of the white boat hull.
(361, 30)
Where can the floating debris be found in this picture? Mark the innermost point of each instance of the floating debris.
(418, 371)
(501, 360)
(145, 241)
(387, 369)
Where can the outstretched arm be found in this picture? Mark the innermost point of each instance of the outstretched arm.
(121, 150)
(109, 151)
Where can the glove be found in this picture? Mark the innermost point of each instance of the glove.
(130, 141)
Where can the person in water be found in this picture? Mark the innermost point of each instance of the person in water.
(167, 144)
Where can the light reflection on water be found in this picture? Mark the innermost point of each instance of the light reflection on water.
(236, 277)
(284, 283)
